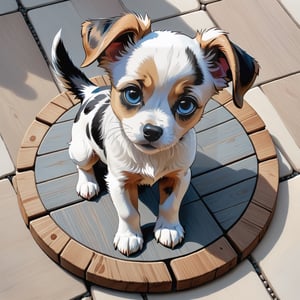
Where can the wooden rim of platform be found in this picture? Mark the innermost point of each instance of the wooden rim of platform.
(163, 276)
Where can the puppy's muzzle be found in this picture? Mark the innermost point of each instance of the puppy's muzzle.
(152, 132)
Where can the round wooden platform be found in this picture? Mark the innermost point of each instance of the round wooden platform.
(226, 211)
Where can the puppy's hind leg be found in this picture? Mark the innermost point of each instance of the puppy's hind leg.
(84, 157)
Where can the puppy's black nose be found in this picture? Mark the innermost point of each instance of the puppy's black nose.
(152, 133)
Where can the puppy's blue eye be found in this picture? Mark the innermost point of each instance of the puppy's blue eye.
(186, 106)
(132, 96)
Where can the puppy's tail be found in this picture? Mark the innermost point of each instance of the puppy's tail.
(69, 75)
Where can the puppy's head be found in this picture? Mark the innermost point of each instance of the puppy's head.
(161, 80)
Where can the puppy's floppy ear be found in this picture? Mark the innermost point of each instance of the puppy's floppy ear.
(228, 62)
(105, 39)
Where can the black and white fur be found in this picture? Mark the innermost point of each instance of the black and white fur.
(143, 127)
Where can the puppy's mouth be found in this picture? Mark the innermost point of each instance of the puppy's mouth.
(146, 147)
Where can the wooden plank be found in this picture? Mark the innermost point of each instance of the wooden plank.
(247, 117)
(249, 229)
(50, 113)
(223, 177)
(267, 185)
(26, 158)
(205, 265)
(53, 165)
(76, 258)
(228, 205)
(221, 145)
(229, 216)
(223, 97)
(62, 100)
(211, 105)
(34, 135)
(29, 202)
(263, 145)
(213, 118)
(72, 98)
(59, 192)
(194, 218)
(69, 114)
(101, 80)
(57, 138)
(49, 236)
(253, 124)
(129, 276)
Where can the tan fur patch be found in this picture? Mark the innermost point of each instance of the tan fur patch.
(167, 185)
(120, 110)
(148, 75)
(177, 90)
(147, 78)
(131, 186)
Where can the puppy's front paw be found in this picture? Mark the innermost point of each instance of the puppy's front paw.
(87, 190)
(128, 243)
(87, 186)
(168, 234)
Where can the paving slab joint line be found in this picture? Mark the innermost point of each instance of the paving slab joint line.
(290, 176)
(24, 11)
(263, 278)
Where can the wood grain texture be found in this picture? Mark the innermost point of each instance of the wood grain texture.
(64, 193)
(246, 116)
(221, 145)
(205, 265)
(50, 113)
(49, 236)
(254, 222)
(29, 202)
(129, 276)
(34, 134)
(223, 97)
(26, 158)
(62, 100)
(57, 138)
(263, 145)
(267, 185)
(53, 165)
(76, 258)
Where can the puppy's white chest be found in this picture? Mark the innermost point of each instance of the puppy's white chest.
(152, 174)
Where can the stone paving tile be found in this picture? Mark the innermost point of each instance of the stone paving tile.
(158, 9)
(8, 6)
(26, 84)
(99, 293)
(88, 9)
(285, 169)
(240, 283)
(48, 20)
(6, 164)
(284, 96)
(277, 253)
(26, 272)
(33, 3)
(281, 136)
(293, 8)
(187, 23)
(264, 30)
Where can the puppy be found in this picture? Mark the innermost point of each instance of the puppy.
(142, 128)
